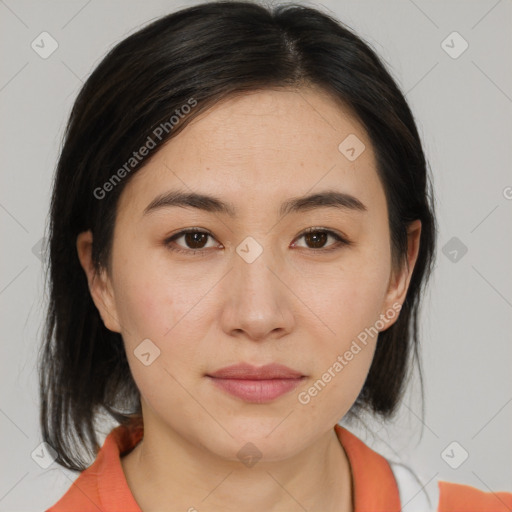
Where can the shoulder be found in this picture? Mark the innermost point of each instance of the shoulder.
(82, 495)
(102, 486)
(441, 496)
(455, 497)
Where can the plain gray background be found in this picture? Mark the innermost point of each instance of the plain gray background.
(463, 110)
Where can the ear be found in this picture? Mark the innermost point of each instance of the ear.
(399, 281)
(99, 283)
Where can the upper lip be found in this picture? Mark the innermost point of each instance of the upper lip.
(249, 372)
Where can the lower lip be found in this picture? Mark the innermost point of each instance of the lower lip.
(257, 391)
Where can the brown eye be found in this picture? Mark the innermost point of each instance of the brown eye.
(194, 241)
(316, 239)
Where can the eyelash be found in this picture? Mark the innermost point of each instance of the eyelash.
(340, 240)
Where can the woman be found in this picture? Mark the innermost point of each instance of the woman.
(241, 232)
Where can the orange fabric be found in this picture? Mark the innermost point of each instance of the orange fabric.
(464, 498)
(374, 486)
(102, 487)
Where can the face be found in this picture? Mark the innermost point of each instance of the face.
(252, 286)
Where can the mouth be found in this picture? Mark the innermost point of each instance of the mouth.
(256, 384)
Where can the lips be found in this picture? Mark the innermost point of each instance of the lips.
(256, 384)
(247, 371)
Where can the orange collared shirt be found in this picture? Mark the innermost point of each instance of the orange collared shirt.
(102, 487)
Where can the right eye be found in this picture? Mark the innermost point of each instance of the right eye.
(194, 238)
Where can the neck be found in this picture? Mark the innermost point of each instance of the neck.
(166, 468)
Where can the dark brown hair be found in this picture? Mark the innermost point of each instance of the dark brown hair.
(208, 52)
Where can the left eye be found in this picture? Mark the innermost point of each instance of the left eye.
(194, 238)
(317, 237)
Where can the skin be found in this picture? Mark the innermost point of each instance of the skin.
(293, 305)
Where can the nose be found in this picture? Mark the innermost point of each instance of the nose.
(258, 303)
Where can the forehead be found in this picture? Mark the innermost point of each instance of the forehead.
(282, 143)
(272, 123)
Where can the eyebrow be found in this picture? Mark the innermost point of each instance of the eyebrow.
(209, 203)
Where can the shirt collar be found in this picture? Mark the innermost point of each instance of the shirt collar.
(374, 486)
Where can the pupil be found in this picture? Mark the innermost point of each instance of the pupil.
(191, 239)
(318, 238)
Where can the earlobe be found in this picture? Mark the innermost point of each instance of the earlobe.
(399, 282)
(99, 283)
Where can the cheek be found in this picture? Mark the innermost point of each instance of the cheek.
(140, 303)
(151, 299)
(149, 311)
(353, 296)
(339, 377)
(350, 305)
(161, 306)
